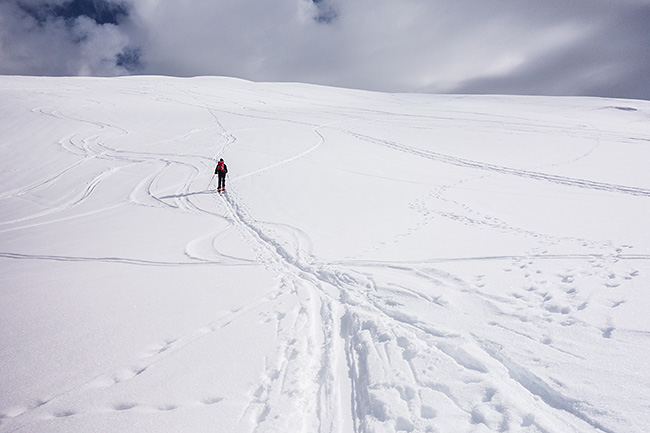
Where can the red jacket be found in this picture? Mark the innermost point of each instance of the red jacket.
(221, 168)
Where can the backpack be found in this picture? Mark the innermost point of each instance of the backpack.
(221, 167)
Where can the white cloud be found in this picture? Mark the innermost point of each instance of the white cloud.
(34, 41)
(504, 46)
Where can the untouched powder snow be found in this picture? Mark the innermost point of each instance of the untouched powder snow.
(379, 263)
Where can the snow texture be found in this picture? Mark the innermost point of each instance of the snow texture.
(379, 262)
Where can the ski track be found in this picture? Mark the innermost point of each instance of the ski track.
(307, 339)
(461, 162)
(300, 354)
(401, 338)
(405, 370)
(374, 399)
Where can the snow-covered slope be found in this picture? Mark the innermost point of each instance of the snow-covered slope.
(380, 262)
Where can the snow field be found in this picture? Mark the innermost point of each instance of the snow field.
(380, 262)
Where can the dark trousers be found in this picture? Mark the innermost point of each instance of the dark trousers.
(222, 181)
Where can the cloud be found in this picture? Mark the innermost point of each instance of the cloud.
(59, 37)
(100, 11)
(492, 46)
(325, 12)
(608, 56)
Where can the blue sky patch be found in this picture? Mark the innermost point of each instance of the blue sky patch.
(100, 11)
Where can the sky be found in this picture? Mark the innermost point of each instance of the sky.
(550, 47)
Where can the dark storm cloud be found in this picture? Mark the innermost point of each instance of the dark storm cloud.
(553, 47)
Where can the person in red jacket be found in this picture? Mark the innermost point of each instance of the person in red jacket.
(221, 171)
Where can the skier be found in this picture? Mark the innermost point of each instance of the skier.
(221, 171)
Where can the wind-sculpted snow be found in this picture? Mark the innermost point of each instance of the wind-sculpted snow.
(379, 262)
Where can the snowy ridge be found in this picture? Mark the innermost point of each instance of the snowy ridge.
(379, 262)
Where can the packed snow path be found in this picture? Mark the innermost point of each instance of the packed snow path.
(380, 262)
